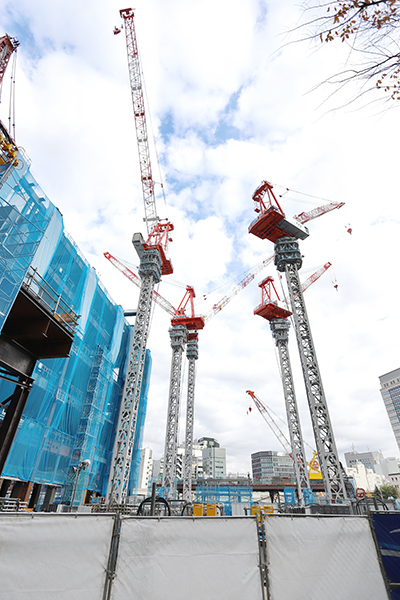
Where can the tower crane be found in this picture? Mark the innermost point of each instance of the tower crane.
(154, 262)
(272, 224)
(277, 313)
(184, 329)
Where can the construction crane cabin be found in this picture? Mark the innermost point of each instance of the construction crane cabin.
(154, 262)
(271, 223)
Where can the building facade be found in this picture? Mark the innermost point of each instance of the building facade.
(272, 467)
(213, 458)
(72, 409)
(369, 459)
(390, 391)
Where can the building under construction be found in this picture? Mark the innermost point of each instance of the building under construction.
(63, 351)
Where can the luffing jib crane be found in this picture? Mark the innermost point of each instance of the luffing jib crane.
(179, 323)
(154, 262)
(272, 224)
(277, 313)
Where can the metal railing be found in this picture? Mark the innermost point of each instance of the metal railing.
(48, 297)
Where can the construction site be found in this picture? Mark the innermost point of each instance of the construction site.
(75, 379)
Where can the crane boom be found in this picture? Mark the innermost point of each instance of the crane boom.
(278, 433)
(158, 232)
(306, 284)
(317, 212)
(237, 288)
(135, 78)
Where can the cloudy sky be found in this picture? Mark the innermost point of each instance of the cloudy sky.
(231, 104)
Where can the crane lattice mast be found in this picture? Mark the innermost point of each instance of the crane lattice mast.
(154, 262)
(288, 259)
(178, 336)
(183, 328)
(192, 353)
(272, 224)
(277, 314)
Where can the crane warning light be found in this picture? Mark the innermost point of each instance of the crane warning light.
(271, 222)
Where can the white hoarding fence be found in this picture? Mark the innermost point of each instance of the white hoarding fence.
(48, 557)
(184, 558)
(332, 557)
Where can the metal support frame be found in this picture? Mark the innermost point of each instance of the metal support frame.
(150, 274)
(178, 335)
(280, 331)
(192, 353)
(288, 259)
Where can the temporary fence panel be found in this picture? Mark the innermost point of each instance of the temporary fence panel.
(54, 556)
(322, 557)
(387, 530)
(183, 558)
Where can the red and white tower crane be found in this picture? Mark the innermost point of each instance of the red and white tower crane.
(154, 262)
(184, 329)
(277, 313)
(272, 224)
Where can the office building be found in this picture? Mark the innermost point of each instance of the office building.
(272, 467)
(390, 390)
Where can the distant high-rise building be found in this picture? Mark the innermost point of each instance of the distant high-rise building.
(368, 459)
(390, 390)
(146, 469)
(269, 466)
(214, 458)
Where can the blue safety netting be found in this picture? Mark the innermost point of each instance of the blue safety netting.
(72, 411)
(224, 494)
(25, 212)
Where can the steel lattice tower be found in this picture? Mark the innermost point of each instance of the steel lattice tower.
(178, 335)
(150, 274)
(280, 330)
(192, 353)
(288, 259)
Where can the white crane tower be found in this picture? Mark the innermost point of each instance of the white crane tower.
(154, 262)
(272, 224)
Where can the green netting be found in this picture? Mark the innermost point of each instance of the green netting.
(71, 413)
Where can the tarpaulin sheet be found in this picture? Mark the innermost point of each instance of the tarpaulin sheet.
(333, 558)
(387, 530)
(185, 558)
(49, 557)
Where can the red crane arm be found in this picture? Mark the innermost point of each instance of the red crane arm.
(158, 233)
(306, 284)
(317, 212)
(237, 288)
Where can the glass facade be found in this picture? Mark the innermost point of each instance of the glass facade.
(272, 467)
(390, 391)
